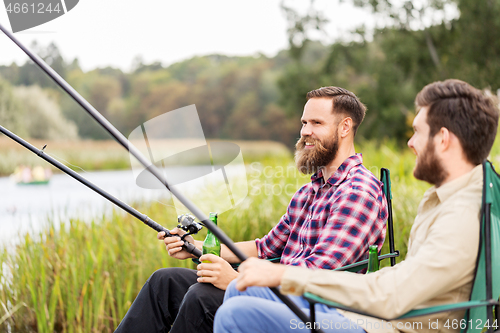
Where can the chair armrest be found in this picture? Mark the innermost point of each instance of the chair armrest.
(273, 260)
(357, 266)
(447, 307)
(236, 265)
(311, 298)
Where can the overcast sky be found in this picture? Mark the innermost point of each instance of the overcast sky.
(114, 32)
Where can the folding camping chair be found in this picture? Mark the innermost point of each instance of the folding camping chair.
(486, 286)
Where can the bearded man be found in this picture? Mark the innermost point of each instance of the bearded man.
(329, 223)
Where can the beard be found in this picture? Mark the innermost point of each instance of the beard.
(429, 168)
(311, 160)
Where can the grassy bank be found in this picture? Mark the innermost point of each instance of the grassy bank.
(82, 277)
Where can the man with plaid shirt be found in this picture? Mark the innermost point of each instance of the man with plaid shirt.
(329, 223)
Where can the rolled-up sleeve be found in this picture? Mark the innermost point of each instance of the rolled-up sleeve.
(272, 245)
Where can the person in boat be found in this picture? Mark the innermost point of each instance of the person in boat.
(17, 174)
(329, 223)
(26, 175)
(38, 174)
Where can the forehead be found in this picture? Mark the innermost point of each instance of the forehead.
(421, 118)
(318, 108)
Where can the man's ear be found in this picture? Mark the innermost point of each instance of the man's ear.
(345, 127)
(443, 139)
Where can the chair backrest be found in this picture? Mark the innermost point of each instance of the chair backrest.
(385, 178)
(486, 285)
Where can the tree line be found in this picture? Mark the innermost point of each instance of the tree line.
(259, 97)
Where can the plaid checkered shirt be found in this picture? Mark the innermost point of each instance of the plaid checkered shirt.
(329, 225)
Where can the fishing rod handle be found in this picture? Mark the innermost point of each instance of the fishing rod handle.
(191, 248)
(152, 224)
(187, 246)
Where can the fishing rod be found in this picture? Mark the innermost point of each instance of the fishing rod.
(121, 139)
(135, 213)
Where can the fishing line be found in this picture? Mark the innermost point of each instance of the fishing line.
(176, 209)
(67, 163)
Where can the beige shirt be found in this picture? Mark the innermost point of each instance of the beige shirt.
(438, 269)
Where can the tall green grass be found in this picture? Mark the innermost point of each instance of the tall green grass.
(82, 277)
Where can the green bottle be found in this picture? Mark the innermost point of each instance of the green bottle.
(372, 259)
(211, 244)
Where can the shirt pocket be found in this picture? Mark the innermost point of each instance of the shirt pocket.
(310, 234)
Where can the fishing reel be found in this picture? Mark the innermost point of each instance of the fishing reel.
(188, 224)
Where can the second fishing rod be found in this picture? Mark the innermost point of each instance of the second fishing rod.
(187, 224)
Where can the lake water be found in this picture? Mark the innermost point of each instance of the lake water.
(28, 207)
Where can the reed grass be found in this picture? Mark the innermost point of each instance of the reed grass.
(80, 277)
(83, 276)
(106, 155)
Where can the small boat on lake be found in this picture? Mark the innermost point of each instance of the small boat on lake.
(24, 175)
(35, 182)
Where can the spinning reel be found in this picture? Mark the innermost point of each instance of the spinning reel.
(188, 224)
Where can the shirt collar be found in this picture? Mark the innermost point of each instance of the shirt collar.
(340, 174)
(447, 190)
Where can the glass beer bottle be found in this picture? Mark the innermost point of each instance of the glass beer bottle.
(372, 259)
(211, 244)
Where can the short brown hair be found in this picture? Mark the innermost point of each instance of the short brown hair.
(344, 102)
(463, 110)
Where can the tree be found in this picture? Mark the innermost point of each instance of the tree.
(11, 113)
(30, 73)
(102, 88)
(300, 27)
(42, 115)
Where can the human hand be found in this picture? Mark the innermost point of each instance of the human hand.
(217, 272)
(174, 244)
(259, 273)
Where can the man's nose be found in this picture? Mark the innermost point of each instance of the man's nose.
(410, 143)
(306, 130)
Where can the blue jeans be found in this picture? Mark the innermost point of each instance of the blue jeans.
(259, 310)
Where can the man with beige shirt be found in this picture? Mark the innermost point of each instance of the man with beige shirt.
(454, 130)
